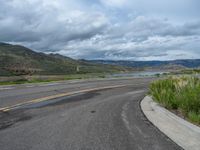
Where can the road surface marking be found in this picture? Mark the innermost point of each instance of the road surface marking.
(4, 109)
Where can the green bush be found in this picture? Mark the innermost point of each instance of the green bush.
(194, 117)
(182, 93)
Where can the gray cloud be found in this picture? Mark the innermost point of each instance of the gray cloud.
(33, 22)
(112, 29)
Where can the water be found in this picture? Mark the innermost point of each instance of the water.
(139, 74)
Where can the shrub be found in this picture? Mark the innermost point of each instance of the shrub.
(181, 93)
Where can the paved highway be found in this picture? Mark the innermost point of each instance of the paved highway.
(85, 115)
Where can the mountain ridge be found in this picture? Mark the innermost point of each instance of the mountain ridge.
(188, 63)
(19, 60)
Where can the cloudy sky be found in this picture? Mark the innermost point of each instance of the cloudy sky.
(104, 29)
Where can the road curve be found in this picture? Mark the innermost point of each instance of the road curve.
(104, 119)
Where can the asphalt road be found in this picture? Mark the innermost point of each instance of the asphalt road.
(99, 119)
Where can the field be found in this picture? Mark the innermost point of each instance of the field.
(47, 78)
(179, 94)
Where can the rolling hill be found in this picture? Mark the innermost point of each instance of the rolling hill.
(187, 63)
(19, 60)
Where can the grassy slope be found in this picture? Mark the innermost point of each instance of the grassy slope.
(19, 60)
(179, 93)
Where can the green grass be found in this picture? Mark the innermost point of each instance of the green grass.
(39, 79)
(191, 71)
(185, 72)
(179, 93)
(23, 81)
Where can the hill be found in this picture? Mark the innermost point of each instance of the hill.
(19, 60)
(187, 63)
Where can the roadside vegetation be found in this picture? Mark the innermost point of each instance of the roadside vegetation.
(179, 94)
(49, 78)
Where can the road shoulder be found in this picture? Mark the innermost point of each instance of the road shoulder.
(179, 130)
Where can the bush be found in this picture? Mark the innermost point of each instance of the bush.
(181, 93)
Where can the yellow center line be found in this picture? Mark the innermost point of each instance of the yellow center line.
(8, 108)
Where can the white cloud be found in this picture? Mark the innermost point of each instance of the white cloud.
(114, 3)
(111, 29)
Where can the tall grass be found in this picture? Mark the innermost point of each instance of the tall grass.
(179, 93)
